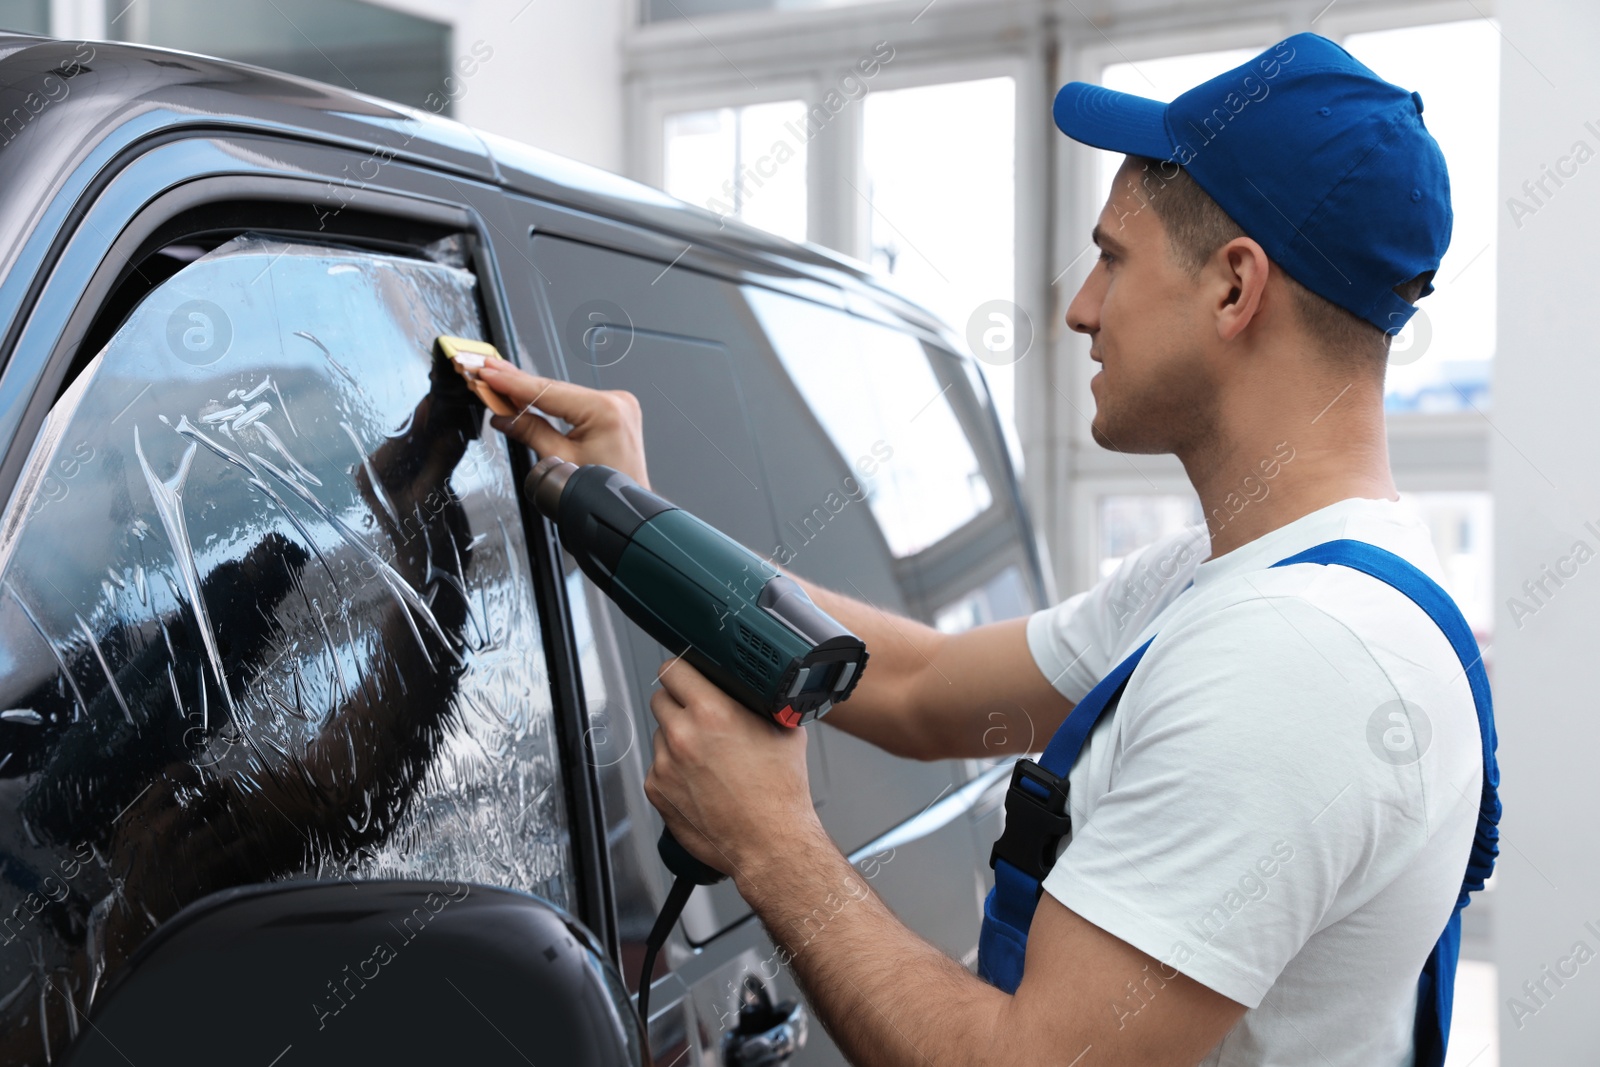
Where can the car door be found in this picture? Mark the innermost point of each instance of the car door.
(620, 322)
(732, 433)
(268, 602)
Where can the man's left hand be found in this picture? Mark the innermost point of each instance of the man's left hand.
(732, 786)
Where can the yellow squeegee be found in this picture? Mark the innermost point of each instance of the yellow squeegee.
(467, 356)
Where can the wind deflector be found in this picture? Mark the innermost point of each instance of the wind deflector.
(383, 972)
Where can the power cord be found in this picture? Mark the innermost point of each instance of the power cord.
(671, 908)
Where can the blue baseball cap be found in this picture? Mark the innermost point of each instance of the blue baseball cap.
(1323, 163)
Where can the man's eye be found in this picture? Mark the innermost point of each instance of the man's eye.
(1105, 257)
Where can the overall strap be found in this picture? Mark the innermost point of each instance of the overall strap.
(1038, 793)
(1008, 909)
(1062, 751)
(1436, 987)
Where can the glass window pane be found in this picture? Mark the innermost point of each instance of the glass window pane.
(876, 393)
(748, 162)
(25, 16)
(1128, 523)
(265, 612)
(1005, 596)
(941, 179)
(1441, 359)
(347, 43)
(1463, 535)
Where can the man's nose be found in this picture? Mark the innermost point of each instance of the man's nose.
(1083, 314)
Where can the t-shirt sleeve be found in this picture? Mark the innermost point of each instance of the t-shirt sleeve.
(1078, 640)
(1243, 797)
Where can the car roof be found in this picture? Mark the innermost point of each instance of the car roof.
(106, 96)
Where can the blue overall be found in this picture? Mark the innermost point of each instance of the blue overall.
(1008, 911)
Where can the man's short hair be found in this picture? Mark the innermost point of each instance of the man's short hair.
(1196, 227)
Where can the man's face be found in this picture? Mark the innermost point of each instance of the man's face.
(1144, 316)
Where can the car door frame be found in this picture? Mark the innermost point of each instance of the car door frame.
(164, 179)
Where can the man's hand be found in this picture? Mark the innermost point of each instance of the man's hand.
(607, 426)
(731, 786)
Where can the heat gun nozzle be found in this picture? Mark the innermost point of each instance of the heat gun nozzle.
(545, 483)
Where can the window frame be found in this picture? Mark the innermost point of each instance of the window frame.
(653, 111)
(836, 216)
(1043, 45)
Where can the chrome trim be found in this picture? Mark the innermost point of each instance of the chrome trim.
(935, 816)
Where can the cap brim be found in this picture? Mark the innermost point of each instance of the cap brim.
(1117, 122)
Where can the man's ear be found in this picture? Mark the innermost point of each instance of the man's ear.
(1241, 268)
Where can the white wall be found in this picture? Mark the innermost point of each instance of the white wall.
(555, 79)
(1546, 480)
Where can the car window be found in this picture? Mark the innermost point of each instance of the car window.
(265, 612)
(879, 489)
(875, 392)
(673, 338)
(818, 439)
(893, 488)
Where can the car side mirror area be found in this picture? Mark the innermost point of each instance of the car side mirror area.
(324, 973)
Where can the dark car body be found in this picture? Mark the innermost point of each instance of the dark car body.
(271, 605)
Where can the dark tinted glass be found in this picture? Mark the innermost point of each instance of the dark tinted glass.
(821, 440)
(265, 611)
(876, 394)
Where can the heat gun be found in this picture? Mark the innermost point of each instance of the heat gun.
(701, 594)
(742, 623)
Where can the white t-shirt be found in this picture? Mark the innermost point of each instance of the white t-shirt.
(1255, 813)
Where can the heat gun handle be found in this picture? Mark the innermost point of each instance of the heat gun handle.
(684, 865)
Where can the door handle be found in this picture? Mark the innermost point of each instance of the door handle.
(767, 1034)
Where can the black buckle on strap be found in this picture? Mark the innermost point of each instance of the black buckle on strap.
(1034, 824)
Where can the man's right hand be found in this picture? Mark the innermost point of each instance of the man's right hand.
(607, 425)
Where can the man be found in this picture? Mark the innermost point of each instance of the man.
(1269, 829)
